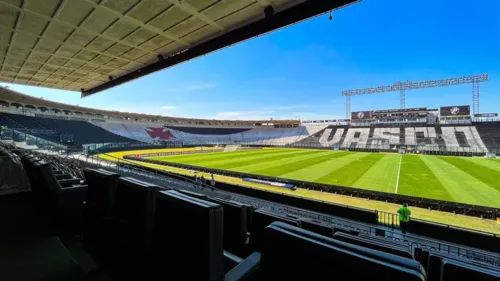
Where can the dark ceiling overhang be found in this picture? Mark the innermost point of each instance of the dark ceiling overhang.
(282, 19)
(93, 45)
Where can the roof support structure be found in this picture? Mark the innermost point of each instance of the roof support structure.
(282, 19)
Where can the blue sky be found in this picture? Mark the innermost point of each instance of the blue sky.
(300, 71)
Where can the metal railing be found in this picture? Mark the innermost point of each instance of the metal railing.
(386, 222)
(387, 219)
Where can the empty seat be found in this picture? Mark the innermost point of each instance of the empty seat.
(435, 263)
(235, 224)
(99, 200)
(128, 230)
(187, 238)
(452, 270)
(316, 226)
(261, 218)
(291, 253)
(391, 241)
(193, 194)
(345, 230)
(376, 245)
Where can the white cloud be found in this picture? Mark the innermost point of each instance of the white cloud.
(168, 107)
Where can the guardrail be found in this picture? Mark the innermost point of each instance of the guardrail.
(459, 208)
(387, 219)
(390, 220)
(128, 168)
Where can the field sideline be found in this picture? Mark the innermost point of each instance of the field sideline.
(456, 179)
(430, 215)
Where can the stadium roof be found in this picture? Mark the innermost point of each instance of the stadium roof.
(93, 45)
(9, 97)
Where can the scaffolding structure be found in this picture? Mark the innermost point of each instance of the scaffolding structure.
(402, 87)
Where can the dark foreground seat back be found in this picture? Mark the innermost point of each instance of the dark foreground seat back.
(129, 227)
(436, 260)
(376, 245)
(261, 218)
(389, 240)
(321, 257)
(235, 222)
(316, 226)
(187, 238)
(65, 204)
(99, 199)
(452, 270)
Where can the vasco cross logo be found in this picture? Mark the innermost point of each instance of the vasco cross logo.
(455, 110)
(361, 115)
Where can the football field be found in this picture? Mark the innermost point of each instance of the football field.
(457, 179)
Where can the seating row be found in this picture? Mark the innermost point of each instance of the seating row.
(147, 232)
(58, 193)
(136, 230)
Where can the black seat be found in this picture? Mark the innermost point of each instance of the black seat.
(99, 200)
(376, 245)
(316, 226)
(187, 236)
(381, 239)
(68, 182)
(435, 263)
(127, 232)
(345, 230)
(63, 176)
(417, 253)
(424, 259)
(261, 218)
(320, 258)
(235, 224)
(64, 204)
(193, 194)
(452, 270)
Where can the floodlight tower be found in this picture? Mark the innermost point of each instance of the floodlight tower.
(402, 87)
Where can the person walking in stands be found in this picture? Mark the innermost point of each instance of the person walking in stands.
(202, 181)
(404, 217)
(212, 181)
(195, 181)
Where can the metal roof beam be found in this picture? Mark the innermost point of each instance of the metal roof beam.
(193, 12)
(279, 20)
(13, 37)
(76, 27)
(139, 23)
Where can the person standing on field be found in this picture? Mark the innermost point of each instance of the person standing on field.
(404, 217)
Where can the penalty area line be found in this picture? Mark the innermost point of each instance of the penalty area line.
(399, 172)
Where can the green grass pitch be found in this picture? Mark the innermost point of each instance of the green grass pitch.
(457, 179)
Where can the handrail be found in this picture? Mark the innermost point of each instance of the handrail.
(362, 193)
(412, 240)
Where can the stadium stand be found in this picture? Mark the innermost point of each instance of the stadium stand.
(82, 132)
(208, 135)
(384, 133)
(135, 229)
(489, 132)
(433, 138)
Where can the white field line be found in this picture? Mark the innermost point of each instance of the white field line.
(399, 172)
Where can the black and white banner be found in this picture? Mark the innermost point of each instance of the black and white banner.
(457, 110)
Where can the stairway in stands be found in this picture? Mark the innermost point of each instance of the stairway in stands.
(490, 134)
(5, 120)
